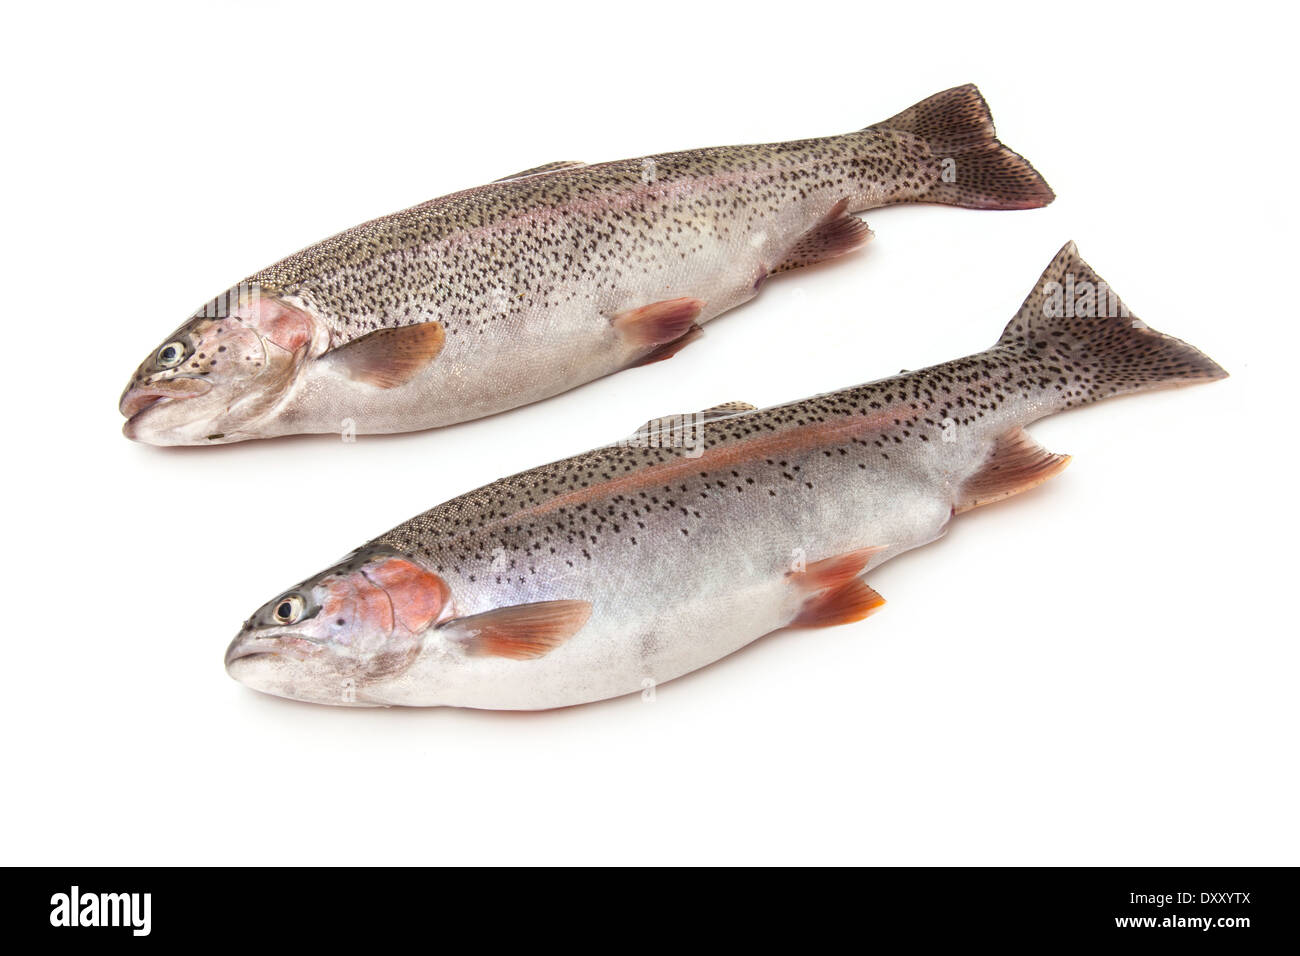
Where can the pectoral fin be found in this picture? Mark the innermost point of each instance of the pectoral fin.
(837, 233)
(520, 632)
(389, 357)
(1017, 463)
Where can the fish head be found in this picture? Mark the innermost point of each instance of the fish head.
(361, 621)
(229, 366)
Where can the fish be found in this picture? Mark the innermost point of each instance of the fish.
(620, 569)
(526, 287)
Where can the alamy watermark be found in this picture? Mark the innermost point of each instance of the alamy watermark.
(242, 299)
(75, 908)
(1081, 299)
(684, 431)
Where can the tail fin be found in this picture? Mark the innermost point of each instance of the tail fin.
(976, 170)
(1077, 339)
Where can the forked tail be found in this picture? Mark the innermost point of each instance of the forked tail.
(1079, 342)
(1073, 342)
(974, 169)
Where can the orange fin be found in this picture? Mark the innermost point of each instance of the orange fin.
(1017, 463)
(390, 357)
(837, 233)
(659, 322)
(842, 605)
(669, 349)
(521, 632)
(835, 571)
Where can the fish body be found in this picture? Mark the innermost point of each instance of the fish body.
(518, 290)
(633, 564)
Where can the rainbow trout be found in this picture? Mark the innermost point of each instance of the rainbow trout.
(636, 563)
(512, 292)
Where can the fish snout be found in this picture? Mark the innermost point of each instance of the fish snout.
(294, 667)
(246, 644)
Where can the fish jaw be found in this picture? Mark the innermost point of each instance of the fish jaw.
(141, 404)
(163, 414)
(275, 672)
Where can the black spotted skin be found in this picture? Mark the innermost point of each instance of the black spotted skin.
(502, 251)
(934, 422)
(549, 280)
(687, 551)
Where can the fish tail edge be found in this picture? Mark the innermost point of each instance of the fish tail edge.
(975, 169)
(1075, 335)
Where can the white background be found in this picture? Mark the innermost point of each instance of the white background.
(1102, 671)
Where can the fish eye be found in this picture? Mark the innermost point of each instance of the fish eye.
(171, 354)
(288, 610)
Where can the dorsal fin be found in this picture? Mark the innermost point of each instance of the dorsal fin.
(544, 168)
(725, 410)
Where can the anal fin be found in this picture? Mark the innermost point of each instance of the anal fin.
(837, 233)
(387, 358)
(1016, 463)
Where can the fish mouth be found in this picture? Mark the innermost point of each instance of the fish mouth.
(246, 646)
(236, 653)
(138, 399)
